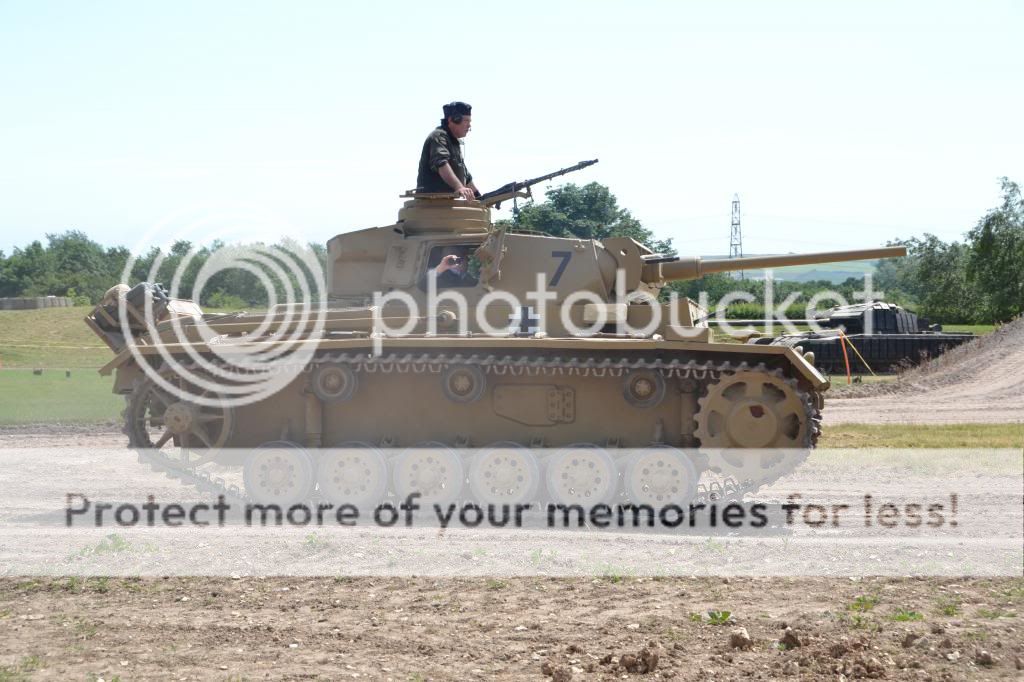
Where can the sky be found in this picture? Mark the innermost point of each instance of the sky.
(838, 124)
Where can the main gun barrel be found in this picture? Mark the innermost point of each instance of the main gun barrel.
(695, 267)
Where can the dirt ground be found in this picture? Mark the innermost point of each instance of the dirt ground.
(419, 629)
(979, 382)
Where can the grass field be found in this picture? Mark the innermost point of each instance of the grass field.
(54, 340)
(51, 337)
(979, 329)
(52, 398)
(955, 463)
(923, 436)
(840, 379)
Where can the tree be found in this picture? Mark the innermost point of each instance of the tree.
(78, 263)
(936, 274)
(28, 272)
(995, 258)
(587, 212)
(895, 277)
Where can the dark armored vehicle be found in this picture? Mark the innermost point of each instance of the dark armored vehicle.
(885, 335)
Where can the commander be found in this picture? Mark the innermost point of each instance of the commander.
(442, 169)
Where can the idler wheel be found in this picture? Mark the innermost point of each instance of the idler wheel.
(431, 469)
(504, 473)
(334, 383)
(154, 417)
(659, 476)
(644, 388)
(463, 383)
(279, 472)
(353, 473)
(582, 473)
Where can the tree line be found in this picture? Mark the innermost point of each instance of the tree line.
(71, 264)
(977, 280)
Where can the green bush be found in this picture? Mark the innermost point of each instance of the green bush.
(220, 299)
(756, 311)
(78, 299)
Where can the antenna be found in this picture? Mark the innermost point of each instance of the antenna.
(736, 234)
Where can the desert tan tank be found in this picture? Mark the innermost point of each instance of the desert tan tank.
(548, 369)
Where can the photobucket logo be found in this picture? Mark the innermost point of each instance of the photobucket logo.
(538, 313)
(229, 360)
(500, 313)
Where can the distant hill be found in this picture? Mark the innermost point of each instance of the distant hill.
(830, 272)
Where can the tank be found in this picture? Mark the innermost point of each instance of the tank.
(557, 374)
(881, 337)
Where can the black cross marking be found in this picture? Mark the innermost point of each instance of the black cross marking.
(527, 323)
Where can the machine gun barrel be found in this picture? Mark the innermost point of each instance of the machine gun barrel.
(508, 191)
(695, 267)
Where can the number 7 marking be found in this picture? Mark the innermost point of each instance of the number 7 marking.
(565, 256)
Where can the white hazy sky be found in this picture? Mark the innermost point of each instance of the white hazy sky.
(839, 124)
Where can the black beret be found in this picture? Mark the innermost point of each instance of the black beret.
(457, 109)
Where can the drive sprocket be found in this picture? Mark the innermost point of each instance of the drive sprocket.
(755, 426)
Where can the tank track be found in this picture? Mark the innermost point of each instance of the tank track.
(712, 488)
(200, 480)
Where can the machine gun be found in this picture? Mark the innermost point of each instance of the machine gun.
(521, 189)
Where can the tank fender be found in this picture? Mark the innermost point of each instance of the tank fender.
(126, 377)
(806, 370)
